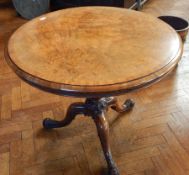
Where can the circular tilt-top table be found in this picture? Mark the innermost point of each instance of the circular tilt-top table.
(95, 53)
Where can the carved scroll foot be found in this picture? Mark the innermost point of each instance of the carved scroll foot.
(127, 106)
(73, 110)
(50, 123)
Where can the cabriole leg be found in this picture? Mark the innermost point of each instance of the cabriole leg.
(103, 133)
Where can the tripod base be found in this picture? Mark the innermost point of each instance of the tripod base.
(95, 108)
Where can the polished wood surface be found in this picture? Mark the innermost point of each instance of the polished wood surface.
(88, 52)
(152, 139)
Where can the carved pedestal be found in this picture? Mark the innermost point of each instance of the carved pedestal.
(95, 108)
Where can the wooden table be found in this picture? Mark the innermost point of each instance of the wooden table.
(94, 53)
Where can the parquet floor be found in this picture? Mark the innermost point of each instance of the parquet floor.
(153, 139)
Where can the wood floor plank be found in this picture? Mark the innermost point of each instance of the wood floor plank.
(161, 165)
(179, 152)
(8, 138)
(138, 154)
(134, 167)
(170, 160)
(6, 107)
(4, 163)
(4, 148)
(16, 98)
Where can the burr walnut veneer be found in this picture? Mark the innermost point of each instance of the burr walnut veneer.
(96, 53)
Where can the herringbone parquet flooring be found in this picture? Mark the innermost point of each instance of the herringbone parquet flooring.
(153, 139)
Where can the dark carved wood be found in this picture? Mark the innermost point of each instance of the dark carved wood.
(95, 108)
(73, 110)
(103, 133)
(128, 105)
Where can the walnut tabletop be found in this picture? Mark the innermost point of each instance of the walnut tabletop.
(93, 51)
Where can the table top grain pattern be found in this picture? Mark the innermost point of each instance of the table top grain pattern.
(93, 51)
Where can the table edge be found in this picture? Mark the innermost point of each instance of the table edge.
(92, 90)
